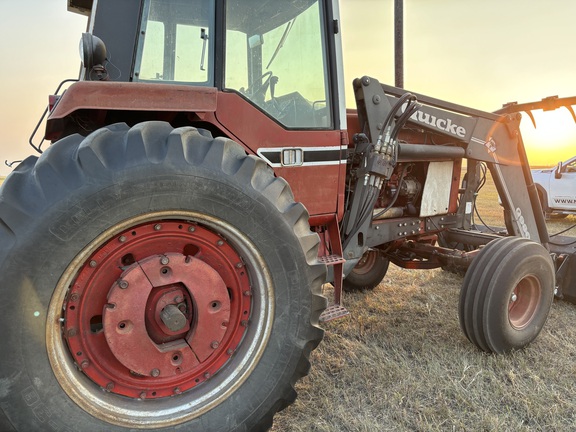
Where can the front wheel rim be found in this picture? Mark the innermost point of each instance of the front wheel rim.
(177, 390)
(524, 302)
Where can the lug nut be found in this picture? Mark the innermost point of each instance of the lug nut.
(514, 298)
(85, 364)
(157, 227)
(215, 344)
(220, 243)
(155, 373)
(123, 284)
(143, 395)
(164, 260)
(122, 239)
(93, 263)
(110, 386)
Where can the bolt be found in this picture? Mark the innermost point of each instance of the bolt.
(207, 375)
(191, 229)
(110, 386)
(155, 373)
(366, 81)
(514, 297)
(93, 263)
(177, 390)
(376, 99)
(143, 395)
(85, 364)
(178, 299)
(239, 265)
(72, 332)
(244, 323)
(122, 239)
(74, 297)
(247, 293)
(220, 243)
(164, 260)
(215, 344)
(229, 351)
(157, 227)
(123, 284)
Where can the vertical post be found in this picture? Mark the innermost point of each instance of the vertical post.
(399, 43)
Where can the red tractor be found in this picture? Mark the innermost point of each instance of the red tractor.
(162, 260)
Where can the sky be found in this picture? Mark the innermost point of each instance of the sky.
(479, 53)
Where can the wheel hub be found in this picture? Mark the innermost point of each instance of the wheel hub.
(124, 316)
(157, 310)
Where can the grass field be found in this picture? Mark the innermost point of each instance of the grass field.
(401, 363)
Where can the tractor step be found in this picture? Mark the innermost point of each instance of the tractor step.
(331, 260)
(333, 312)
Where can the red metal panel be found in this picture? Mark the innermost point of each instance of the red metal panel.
(98, 95)
(317, 187)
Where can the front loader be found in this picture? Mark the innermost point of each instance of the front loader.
(162, 259)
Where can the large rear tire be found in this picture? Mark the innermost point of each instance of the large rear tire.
(507, 294)
(153, 278)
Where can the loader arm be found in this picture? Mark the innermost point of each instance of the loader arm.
(443, 131)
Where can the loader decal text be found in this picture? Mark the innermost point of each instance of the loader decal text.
(445, 125)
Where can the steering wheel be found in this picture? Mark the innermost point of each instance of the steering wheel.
(258, 87)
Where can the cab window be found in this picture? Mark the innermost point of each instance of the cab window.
(175, 42)
(276, 57)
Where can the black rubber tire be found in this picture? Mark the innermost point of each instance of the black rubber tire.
(53, 206)
(499, 271)
(368, 273)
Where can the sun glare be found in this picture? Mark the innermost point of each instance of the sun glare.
(553, 139)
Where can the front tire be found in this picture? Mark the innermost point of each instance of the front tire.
(368, 273)
(153, 278)
(507, 294)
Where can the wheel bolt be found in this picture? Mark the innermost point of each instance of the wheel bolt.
(143, 395)
(93, 263)
(177, 390)
(215, 344)
(74, 297)
(122, 239)
(157, 227)
(164, 260)
(207, 375)
(191, 229)
(123, 284)
(230, 351)
(85, 364)
(239, 265)
(244, 323)
(247, 293)
(220, 243)
(155, 373)
(514, 298)
(72, 332)
(110, 386)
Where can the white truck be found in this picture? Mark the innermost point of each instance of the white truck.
(557, 188)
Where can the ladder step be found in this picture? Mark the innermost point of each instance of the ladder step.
(333, 312)
(331, 260)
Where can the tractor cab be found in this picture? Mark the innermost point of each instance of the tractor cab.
(280, 56)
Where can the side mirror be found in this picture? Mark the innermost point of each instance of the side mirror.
(558, 171)
(93, 54)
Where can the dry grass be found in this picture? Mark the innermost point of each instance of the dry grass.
(401, 363)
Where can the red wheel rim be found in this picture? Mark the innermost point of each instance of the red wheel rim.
(157, 310)
(366, 263)
(524, 302)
